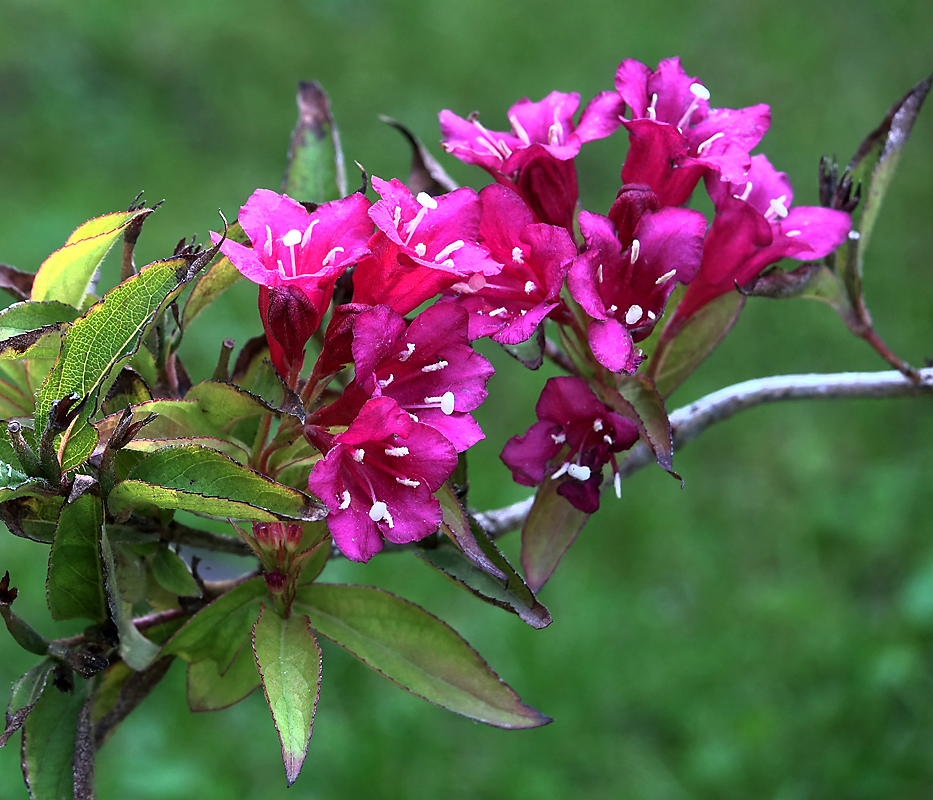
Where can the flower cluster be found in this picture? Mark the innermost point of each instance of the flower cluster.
(498, 263)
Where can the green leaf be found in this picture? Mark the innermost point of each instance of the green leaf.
(315, 171)
(638, 400)
(217, 278)
(209, 689)
(530, 352)
(49, 744)
(172, 573)
(674, 360)
(32, 517)
(218, 631)
(457, 526)
(415, 650)
(26, 693)
(550, 528)
(207, 482)
(66, 275)
(289, 661)
(135, 649)
(75, 584)
(23, 318)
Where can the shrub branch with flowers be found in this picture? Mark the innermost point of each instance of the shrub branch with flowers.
(387, 287)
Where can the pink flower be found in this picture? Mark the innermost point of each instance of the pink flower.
(378, 479)
(624, 277)
(536, 158)
(422, 245)
(575, 436)
(755, 227)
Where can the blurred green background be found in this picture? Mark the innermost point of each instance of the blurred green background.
(765, 632)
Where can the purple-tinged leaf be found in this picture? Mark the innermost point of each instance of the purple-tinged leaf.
(415, 650)
(210, 689)
(530, 352)
(426, 174)
(638, 400)
(289, 662)
(550, 528)
(457, 526)
(315, 171)
(32, 517)
(16, 282)
(26, 693)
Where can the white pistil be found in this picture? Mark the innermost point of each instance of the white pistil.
(776, 208)
(379, 512)
(420, 249)
(633, 314)
(445, 402)
(453, 247)
(425, 200)
(599, 273)
(597, 425)
(387, 381)
(331, 257)
(434, 367)
(345, 504)
(555, 134)
(530, 287)
(406, 354)
(563, 468)
(358, 455)
(268, 247)
(291, 238)
(705, 145)
(617, 485)
(517, 255)
(307, 234)
(700, 92)
(408, 482)
(559, 438)
(579, 472)
(665, 277)
(397, 452)
(498, 311)
(636, 249)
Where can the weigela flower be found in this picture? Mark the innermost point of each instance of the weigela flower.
(427, 367)
(755, 227)
(296, 258)
(575, 436)
(675, 137)
(536, 157)
(624, 277)
(536, 258)
(421, 246)
(378, 479)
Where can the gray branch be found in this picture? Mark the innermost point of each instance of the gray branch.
(690, 421)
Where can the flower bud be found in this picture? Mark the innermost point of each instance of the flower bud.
(289, 319)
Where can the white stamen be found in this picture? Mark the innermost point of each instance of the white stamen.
(291, 238)
(517, 255)
(426, 200)
(307, 234)
(633, 314)
(434, 367)
(555, 134)
(563, 468)
(406, 354)
(597, 425)
(777, 207)
(387, 381)
(420, 249)
(559, 438)
(599, 273)
(379, 512)
(854, 236)
(579, 472)
(665, 277)
(745, 192)
(524, 311)
(268, 247)
(346, 500)
(607, 439)
(397, 452)
(651, 110)
(448, 263)
(331, 257)
(408, 482)
(358, 455)
(520, 132)
(704, 145)
(499, 311)
(617, 485)
(453, 247)
(530, 287)
(652, 316)
(636, 249)
(792, 233)
(613, 308)
(414, 418)
(397, 216)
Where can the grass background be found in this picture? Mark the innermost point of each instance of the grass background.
(766, 631)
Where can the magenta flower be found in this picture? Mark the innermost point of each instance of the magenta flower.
(378, 479)
(428, 368)
(755, 227)
(536, 157)
(575, 436)
(421, 246)
(624, 277)
(296, 258)
(675, 137)
(536, 257)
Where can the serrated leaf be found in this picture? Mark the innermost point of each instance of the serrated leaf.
(218, 631)
(457, 526)
(66, 275)
(135, 649)
(26, 692)
(415, 650)
(172, 573)
(637, 399)
(217, 278)
(32, 517)
(315, 171)
(75, 583)
(209, 689)
(550, 528)
(49, 744)
(289, 661)
(207, 482)
(674, 360)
